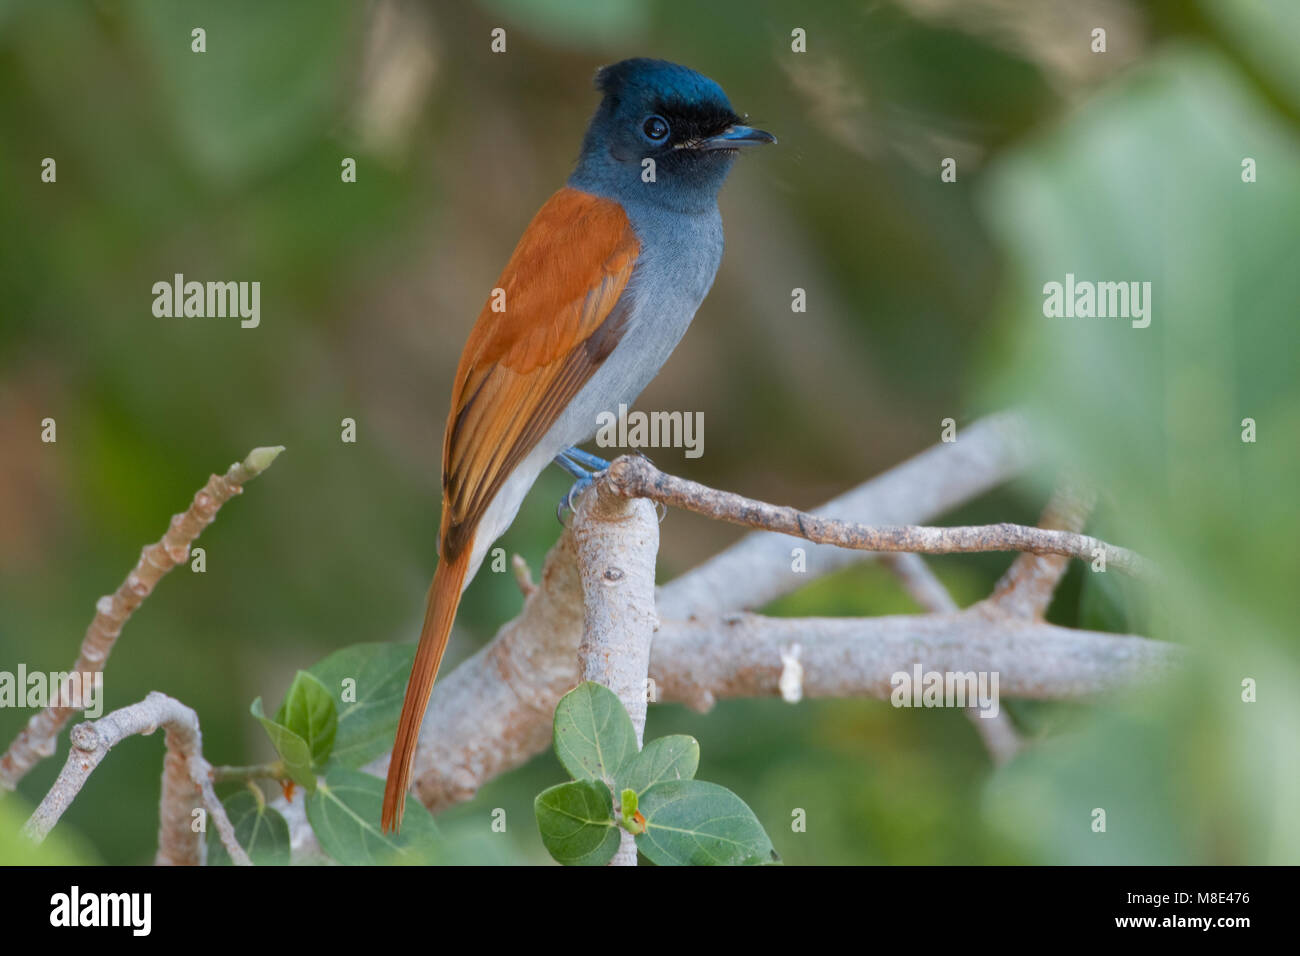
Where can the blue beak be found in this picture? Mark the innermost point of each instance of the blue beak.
(737, 137)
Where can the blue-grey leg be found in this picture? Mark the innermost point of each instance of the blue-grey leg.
(584, 467)
(592, 463)
(571, 466)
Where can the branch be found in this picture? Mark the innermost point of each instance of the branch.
(186, 782)
(37, 740)
(494, 711)
(756, 570)
(634, 477)
(617, 543)
(699, 661)
(258, 771)
(523, 577)
(1027, 588)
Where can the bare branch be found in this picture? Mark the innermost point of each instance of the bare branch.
(493, 712)
(187, 781)
(37, 740)
(1026, 589)
(698, 661)
(756, 569)
(617, 543)
(523, 577)
(634, 477)
(178, 843)
(259, 771)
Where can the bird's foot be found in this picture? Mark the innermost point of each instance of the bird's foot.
(583, 466)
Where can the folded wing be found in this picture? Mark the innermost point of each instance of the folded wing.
(524, 364)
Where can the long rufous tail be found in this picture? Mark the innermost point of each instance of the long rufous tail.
(439, 612)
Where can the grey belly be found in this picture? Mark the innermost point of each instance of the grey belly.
(673, 275)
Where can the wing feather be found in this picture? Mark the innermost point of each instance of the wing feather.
(522, 366)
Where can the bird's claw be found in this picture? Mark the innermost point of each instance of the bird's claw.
(584, 466)
(566, 504)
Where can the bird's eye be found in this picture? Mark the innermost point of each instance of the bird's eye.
(655, 128)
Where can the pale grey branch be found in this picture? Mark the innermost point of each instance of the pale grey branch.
(700, 661)
(617, 543)
(756, 569)
(37, 739)
(187, 779)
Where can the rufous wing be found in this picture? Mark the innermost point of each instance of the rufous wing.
(524, 364)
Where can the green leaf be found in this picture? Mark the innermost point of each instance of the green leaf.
(693, 823)
(576, 820)
(293, 750)
(344, 812)
(309, 711)
(260, 830)
(675, 757)
(593, 733)
(368, 683)
(627, 813)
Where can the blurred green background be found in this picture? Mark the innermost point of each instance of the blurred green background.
(925, 302)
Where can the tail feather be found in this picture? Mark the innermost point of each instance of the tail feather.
(439, 613)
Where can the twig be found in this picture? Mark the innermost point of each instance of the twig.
(258, 771)
(1027, 588)
(187, 778)
(37, 740)
(178, 843)
(523, 577)
(634, 477)
(756, 569)
(617, 543)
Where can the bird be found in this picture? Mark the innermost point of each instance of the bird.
(596, 295)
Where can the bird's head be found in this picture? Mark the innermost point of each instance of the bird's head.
(676, 118)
